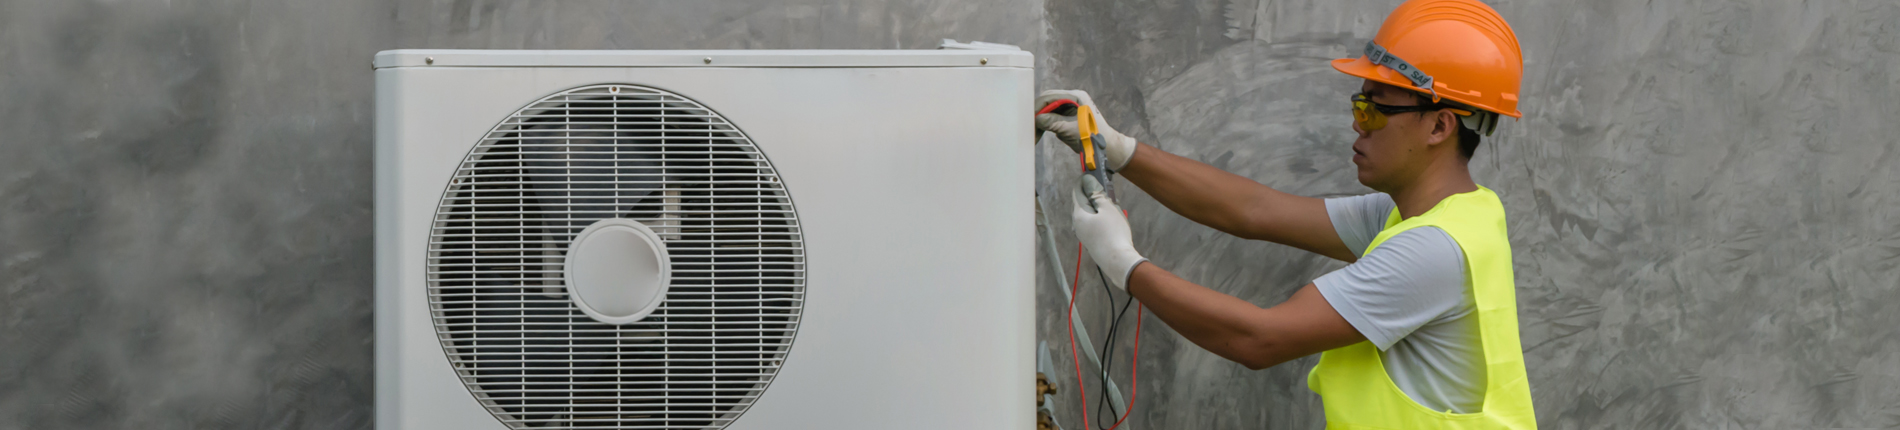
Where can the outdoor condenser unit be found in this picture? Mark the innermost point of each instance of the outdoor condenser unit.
(704, 239)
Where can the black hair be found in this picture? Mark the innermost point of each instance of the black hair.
(1467, 140)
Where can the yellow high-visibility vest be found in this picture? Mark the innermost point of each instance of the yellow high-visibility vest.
(1352, 382)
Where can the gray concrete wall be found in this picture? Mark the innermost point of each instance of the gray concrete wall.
(1702, 198)
(1700, 194)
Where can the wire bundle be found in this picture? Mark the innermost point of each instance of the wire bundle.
(1133, 368)
(1107, 360)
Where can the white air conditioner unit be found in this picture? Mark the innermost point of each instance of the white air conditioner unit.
(704, 239)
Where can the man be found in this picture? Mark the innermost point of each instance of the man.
(1420, 330)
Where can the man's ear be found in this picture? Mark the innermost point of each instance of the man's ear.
(1444, 127)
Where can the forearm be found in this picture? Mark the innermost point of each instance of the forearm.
(1237, 330)
(1193, 189)
(1217, 322)
(1234, 204)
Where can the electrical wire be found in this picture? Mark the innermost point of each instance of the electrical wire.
(1114, 323)
(1134, 367)
(1075, 357)
(1108, 360)
(1134, 372)
(1075, 290)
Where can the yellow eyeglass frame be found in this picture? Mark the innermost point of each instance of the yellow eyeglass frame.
(1371, 116)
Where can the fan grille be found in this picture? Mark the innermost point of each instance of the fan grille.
(500, 235)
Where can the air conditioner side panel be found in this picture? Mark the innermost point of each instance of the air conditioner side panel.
(915, 190)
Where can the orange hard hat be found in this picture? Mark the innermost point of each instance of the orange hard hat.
(1459, 50)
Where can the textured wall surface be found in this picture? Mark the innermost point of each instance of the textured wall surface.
(1702, 198)
(1701, 195)
(186, 235)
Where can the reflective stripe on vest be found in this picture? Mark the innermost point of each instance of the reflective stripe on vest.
(1352, 381)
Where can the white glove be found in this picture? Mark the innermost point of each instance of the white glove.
(1119, 147)
(1104, 232)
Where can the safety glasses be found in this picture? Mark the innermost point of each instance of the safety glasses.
(1371, 116)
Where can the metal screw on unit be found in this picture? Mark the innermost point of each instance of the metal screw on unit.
(985, 61)
(428, 60)
(708, 60)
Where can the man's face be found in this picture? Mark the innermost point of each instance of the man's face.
(1393, 154)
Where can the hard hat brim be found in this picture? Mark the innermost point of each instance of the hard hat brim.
(1364, 68)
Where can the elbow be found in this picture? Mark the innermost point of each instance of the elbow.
(1259, 363)
(1257, 353)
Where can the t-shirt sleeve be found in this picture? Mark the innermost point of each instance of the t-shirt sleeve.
(1360, 218)
(1413, 279)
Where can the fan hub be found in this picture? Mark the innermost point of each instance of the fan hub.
(617, 271)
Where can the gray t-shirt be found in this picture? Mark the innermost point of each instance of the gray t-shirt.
(1408, 297)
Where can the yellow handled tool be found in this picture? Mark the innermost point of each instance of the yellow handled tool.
(1085, 124)
(1094, 161)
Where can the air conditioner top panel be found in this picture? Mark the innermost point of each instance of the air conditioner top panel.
(706, 58)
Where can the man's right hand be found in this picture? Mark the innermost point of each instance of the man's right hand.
(1118, 147)
(1103, 230)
